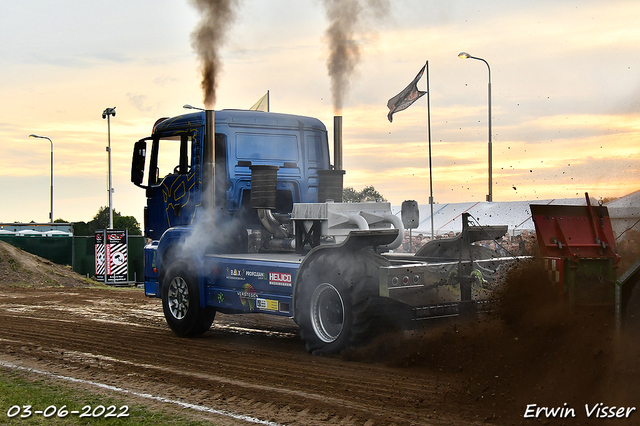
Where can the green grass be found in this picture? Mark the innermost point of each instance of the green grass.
(13, 264)
(16, 389)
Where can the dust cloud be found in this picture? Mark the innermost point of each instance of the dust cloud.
(533, 349)
(213, 232)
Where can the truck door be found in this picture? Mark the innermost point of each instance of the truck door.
(170, 193)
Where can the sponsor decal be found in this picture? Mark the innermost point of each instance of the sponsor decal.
(248, 296)
(280, 279)
(235, 274)
(258, 275)
(115, 238)
(267, 304)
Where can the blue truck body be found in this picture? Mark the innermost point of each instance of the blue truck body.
(248, 284)
(241, 217)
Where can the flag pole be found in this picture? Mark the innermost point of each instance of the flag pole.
(268, 102)
(429, 136)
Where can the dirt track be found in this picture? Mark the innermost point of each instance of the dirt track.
(476, 372)
(119, 338)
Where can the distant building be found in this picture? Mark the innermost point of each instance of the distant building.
(625, 213)
(37, 229)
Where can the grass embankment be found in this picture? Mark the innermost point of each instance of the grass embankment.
(18, 390)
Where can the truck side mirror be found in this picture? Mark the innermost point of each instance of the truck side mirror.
(138, 163)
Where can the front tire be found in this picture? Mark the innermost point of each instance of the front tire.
(181, 301)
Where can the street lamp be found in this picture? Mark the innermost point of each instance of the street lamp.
(187, 106)
(107, 113)
(44, 137)
(465, 55)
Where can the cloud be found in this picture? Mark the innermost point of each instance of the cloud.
(565, 85)
(164, 80)
(138, 102)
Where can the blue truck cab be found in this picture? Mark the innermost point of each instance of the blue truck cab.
(244, 140)
(174, 168)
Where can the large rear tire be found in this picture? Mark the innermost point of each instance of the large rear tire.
(181, 301)
(336, 300)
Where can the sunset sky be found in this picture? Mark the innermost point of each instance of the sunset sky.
(565, 92)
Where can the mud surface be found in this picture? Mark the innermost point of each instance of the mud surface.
(467, 372)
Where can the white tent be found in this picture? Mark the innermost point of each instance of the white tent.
(57, 234)
(28, 233)
(625, 213)
(515, 214)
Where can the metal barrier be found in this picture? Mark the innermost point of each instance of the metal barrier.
(78, 252)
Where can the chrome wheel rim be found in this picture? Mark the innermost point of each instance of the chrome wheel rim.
(178, 298)
(327, 312)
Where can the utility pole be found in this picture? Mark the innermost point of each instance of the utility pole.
(51, 197)
(107, 113)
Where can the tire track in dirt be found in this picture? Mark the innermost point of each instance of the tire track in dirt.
(226, 367)
(283, 370)
(106, 357)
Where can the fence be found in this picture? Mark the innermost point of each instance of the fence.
(79, 252)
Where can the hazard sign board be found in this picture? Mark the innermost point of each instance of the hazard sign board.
(111, 255)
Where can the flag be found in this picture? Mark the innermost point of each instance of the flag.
(408, 96)
(262, 104)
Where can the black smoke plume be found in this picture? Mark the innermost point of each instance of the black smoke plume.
(346, 17)
(208, 37)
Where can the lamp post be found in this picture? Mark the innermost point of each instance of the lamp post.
(51, 197)
(187, 106)
(465, 55)
(107, 113)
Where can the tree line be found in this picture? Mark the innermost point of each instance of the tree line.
(101, 219)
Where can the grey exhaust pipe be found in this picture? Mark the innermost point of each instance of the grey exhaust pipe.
(337, 142)
(209, 165)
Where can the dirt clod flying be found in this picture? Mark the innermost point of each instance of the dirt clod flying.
(532, 349)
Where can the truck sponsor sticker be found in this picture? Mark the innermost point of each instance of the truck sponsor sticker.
(235, 274)
(248, 296)
(267, 304)
(280, 279)
(258, 275)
